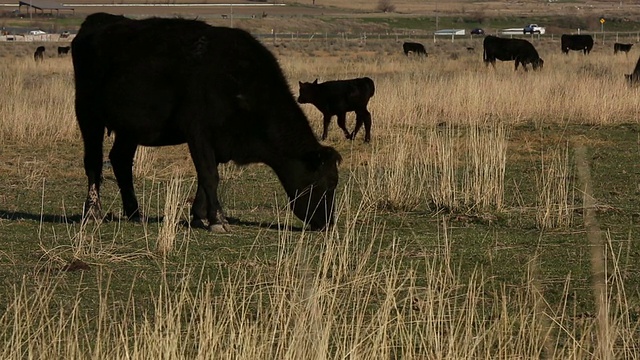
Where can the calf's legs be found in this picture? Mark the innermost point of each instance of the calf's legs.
(342, 123)
(363, 117)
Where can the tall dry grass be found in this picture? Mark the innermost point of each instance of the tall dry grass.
(555, 190)
(37, 101)
(340, 294)
(440, 129)
(173, 210)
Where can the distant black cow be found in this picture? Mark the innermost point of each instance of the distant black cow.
(415, 48)
(38, 55)
(634, 78)
(157, 82)
(63, 50)
(339, 97)
(621, 47)
(582, 43)
(503, 49)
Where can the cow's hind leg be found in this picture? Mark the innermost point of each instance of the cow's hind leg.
(363, 117)
(342, 123)
(93, 137)
(207, 193)
(121, 157)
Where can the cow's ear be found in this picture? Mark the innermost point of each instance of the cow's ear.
(315, 82)
(299, 83)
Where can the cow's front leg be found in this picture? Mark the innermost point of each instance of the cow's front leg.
(208, 179)
(342, 123)
(199, 208)
(121, 157)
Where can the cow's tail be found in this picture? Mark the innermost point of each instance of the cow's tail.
(372, 86)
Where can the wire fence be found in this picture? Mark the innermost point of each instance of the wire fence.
(598, 37)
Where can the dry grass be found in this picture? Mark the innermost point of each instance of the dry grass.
(555, 190)
(440, 134)
(330, 297)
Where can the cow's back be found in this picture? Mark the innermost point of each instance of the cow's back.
(576, 42)
(176, 70)
(508, 49)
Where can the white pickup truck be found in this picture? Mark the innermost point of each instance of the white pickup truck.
(533, 29)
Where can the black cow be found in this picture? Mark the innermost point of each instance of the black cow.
(522, 51)
(634, 78)
(38, 55)
(415, 48)
(582, 43)
(339, 97)
(157, 82)
(622, 47)
(63, 50)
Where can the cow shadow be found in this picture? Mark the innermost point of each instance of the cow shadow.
(257, 224)
(61, 219)
(110, 217)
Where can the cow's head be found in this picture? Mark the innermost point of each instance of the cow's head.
(308, 92)
(537, 64)
(310, 184)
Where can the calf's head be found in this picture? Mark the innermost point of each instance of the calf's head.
(310, 184)
(308, 92)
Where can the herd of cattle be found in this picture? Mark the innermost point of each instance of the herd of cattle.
(38, 55)
(523, 52)
(157, 82)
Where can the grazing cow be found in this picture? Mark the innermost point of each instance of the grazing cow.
(582, 43)
(622, 47)
(503, 49)
(157, 82)
(415, 48)
(38, 55)
(634, 78)
(339, 97)
(63, 50)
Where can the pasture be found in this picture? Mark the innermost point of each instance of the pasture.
(493, 215)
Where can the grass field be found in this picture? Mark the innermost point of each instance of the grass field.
(494, 215)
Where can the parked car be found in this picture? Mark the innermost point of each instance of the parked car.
(37, 32)
(477, 31)
(534, 29)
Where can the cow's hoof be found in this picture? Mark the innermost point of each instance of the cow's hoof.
(92, 213)
(137, 217)
(348, 136)
(198, 224)
(220, 228)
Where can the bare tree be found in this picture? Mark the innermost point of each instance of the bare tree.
(386, 6)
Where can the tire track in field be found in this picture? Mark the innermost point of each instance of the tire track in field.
(597, 246)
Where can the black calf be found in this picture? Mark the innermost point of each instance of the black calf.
(339, 97)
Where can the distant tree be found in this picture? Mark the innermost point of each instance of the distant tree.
(386, 6)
